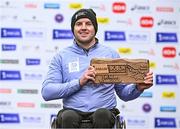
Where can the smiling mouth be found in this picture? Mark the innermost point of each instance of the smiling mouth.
(83, 34)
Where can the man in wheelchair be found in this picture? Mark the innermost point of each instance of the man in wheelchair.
(71, 78)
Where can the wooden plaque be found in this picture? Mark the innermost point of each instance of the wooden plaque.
(120, 70)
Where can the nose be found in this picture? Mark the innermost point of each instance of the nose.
(83, 26)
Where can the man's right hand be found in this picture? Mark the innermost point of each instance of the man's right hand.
(89, 75)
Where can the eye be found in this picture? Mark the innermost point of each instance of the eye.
(78, 23)
(89, 23)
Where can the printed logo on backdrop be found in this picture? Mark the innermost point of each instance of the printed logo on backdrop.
(9, 118)
(137, 121)
(5, 91)
(138, 37)
(168, 95)
(146, 107)
(31, 61)
(149, 52)
(152, 65)
(51, 6)
(124, 50)
(146, 94)
(32, 76)
(27, 91)
(62, 34)
(166, 79)
(8, 47)
(52, 49)
(10, 75)
(8, 5)
(31, 48)
(35, 34)
(75, 5)
(4, 18)
(161, 122)
(165, 9)
(166, 37)
(51, 105)
(6, 104)
(140, 8)
(125, 22)
(114, 36)
(100, 7)
(11, 33)
(29, 18)
(119, 7)
(25, 105)
(169, 52)
(32, 119)
(167, 108)
(146, 21)
(171, 66)
(9, 61)
(167, 23)
(30, 5)
(59, 18)
(126, 108)
(103, 20)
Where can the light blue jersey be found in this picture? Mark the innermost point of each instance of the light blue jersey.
(65, 70)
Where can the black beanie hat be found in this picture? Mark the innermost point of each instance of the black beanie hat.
(84, 13)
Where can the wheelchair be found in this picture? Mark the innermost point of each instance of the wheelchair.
(87, 123)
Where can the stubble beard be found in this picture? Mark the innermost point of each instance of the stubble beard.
(85, 42)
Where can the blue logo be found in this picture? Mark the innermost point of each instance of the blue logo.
(33, 61)
(166, 37)
(146, 94)
(166, 79)
(168, 109)
(9, 118)
(8, 47)
(11, 33)
(51, 6)
(165, 123)
(114, 36)
(10, 75)
(62, 34)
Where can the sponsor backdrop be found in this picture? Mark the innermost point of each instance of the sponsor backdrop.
(32, 31)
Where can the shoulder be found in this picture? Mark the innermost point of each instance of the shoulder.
(109, 49)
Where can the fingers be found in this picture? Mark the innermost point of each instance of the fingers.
(89, 75)
(149, 77)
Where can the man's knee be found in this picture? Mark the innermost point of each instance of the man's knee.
(103, 118)
(103, 113)
(69, 118)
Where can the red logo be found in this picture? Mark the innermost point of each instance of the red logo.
(119, 7)
(146, 22)
(169, 52)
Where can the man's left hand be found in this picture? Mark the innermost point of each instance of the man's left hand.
(148, 82)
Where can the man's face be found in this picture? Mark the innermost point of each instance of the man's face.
(84, 31)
